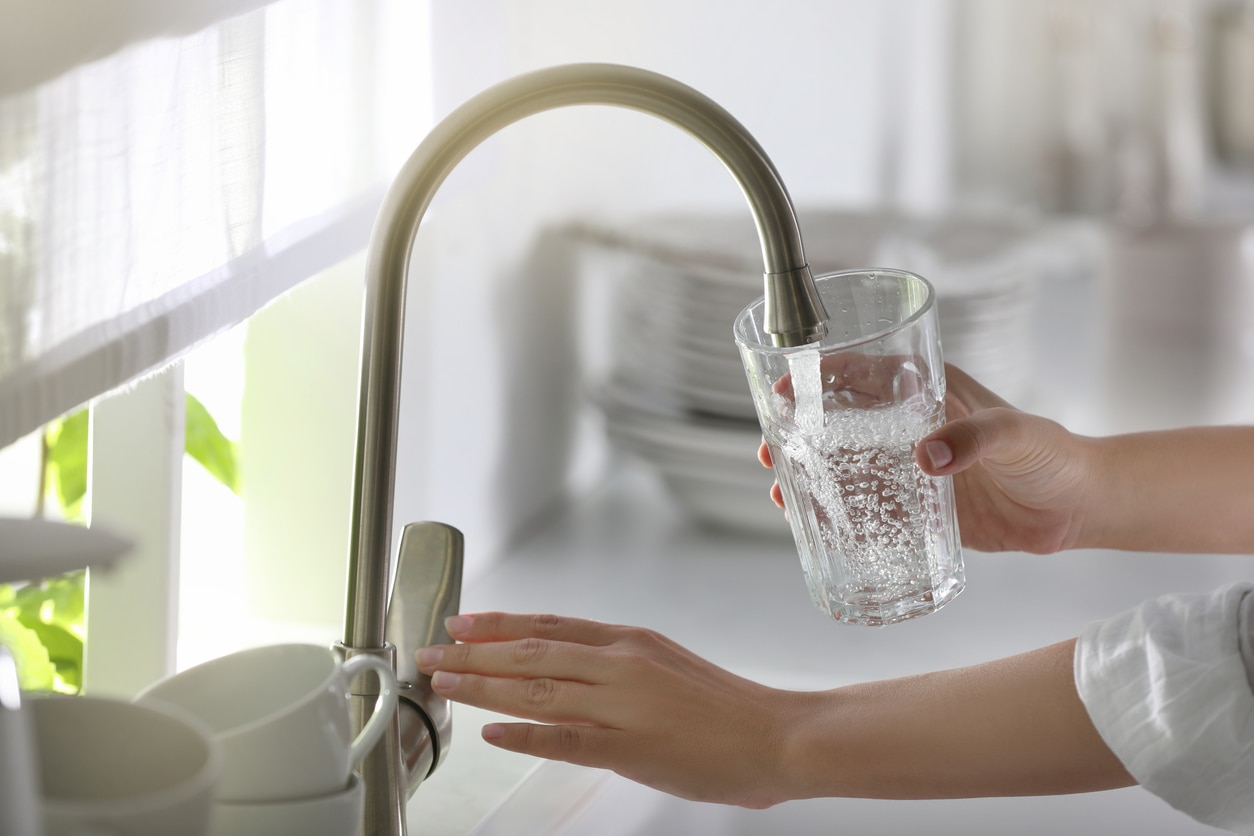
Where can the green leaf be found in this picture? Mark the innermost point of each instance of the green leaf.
(57, 601)
(53, 611)
(35, 671)
(67, 461)
(65, 652)
(206, 444)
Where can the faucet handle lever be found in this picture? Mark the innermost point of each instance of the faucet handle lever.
(426, 591)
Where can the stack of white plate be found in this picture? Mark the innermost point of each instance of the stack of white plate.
(708, 464)
(675, 392)
(677, 396)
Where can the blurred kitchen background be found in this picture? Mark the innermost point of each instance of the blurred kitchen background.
(1076, 176)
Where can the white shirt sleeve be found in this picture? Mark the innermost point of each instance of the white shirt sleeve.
(1167, 687)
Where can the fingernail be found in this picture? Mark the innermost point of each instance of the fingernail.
(444, 680)
(457, 624)
(429, 657)
(938, 453)
(493, 731)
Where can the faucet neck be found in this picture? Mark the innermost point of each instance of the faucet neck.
(799, 314)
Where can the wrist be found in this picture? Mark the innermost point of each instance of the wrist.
(808, 759)
(857, 741)
(868, 740)
(1186, 490)
(1100, 503)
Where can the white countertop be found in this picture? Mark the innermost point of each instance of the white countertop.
(624, 555)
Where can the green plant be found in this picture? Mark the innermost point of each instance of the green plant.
(42, 622)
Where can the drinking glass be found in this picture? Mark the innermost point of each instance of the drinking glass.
(877, 537)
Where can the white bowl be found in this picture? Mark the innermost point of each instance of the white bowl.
(109, 766)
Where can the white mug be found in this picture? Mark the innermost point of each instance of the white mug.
(281, 716)
(111, 768)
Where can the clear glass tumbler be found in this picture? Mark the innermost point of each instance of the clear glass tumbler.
(878, 537)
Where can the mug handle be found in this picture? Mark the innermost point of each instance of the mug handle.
(384, 709)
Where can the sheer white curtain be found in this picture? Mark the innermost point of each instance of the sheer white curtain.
(162, 180)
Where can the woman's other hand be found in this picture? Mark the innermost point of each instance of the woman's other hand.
(632, 701)
(619, 698)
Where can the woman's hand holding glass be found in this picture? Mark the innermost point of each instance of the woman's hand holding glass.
(1025, 483)
(1020, 480)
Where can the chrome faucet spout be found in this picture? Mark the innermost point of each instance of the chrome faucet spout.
(795, 315)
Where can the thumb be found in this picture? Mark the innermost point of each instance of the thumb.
(989, 434)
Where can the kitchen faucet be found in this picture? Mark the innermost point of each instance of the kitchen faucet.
(428, 574)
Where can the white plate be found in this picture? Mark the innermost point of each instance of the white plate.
(716, 436)
(31, 549)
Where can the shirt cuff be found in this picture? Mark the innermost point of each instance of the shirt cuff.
(1165, 685)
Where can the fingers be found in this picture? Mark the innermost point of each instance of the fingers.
(582, 745)
(545, 699)
(950, 450)
(540, 679)
(979, 420)
(541, 667)
(938, 454)
(506, 659)
(529, 657)
(498, 626)
(546, 680)
(764, 456)
(991, 433)
(521, 658)
(968, 394)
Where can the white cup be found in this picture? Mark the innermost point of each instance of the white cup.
(111, 768)
(281, 716)
(338, 814)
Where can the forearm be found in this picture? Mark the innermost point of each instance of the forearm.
(1187, 490)
(1015, 726)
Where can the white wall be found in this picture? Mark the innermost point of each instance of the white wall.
(297, 443)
